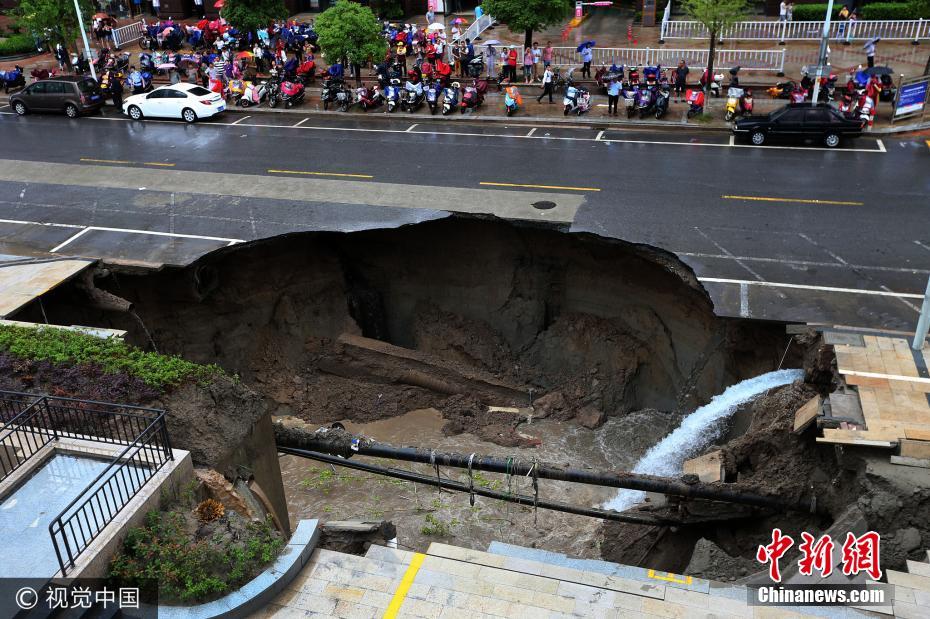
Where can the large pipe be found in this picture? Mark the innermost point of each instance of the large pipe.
(339, 442)
(520, 499)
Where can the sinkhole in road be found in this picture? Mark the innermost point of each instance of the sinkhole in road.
(609, 343)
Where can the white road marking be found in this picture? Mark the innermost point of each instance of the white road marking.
(905, 302)
(411, 128)
(881, 145)
(600, 134)
(927, 247)
(505, 135)
(744, 300)
(241, 119)
(732, 140)
(69, 240)
(729, 254)
(823, 249)
(37, 223)
(532, 131)
(749, 282)
(810, 263)
(302, 122)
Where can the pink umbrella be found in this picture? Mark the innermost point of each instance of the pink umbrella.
(218, 4)
(457, 20)
(167, 31)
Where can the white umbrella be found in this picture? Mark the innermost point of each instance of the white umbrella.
(436, 26)
(492, 42)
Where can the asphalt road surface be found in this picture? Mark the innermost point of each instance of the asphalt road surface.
(796, 233)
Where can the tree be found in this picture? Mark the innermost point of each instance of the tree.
(252, 15)
(716, 15)
(55, 20)
(350, 32)
(527, 15)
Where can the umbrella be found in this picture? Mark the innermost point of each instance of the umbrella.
(584, 45)
(879, 71)
(167, 31)
(203, 23)
(492, 42)
(166, 65)
(435, 26)
(218, 4)
(242, 55)
(459, 20)
(871, 41)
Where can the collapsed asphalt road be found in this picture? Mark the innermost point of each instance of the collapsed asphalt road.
(791, 233)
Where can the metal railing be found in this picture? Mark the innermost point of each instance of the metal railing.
(747, 59)
(478, 26)
(888, 29)
(128, 33)
(30, 422)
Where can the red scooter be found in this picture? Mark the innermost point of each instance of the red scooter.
(292, 93)
(473, 96)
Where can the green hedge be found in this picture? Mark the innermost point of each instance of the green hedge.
(17, 44)
(112, 354)
(874, 10)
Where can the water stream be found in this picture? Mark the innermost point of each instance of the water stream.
(698, 431)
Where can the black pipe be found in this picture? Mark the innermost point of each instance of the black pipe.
(339, 442)
(520, 499)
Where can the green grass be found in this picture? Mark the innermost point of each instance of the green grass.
(17, 44)
(113, 355)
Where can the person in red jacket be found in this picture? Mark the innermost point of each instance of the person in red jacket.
(512, 64)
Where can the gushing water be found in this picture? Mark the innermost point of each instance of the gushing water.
(697, 431)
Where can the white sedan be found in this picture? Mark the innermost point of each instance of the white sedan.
(188, 102)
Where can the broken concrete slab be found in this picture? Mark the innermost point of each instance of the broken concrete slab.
(708, 468)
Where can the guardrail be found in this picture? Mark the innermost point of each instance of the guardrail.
(128, 33)
(478, 26)
(747, 59)
(31, 421)
(889, 29)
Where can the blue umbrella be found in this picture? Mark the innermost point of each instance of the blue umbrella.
(584, 45)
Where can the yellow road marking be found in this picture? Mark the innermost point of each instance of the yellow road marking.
(669, 577)
(539, 186)
(104, 160)
(401, 593)
(163, 165)
(798, 200)
(320, 173)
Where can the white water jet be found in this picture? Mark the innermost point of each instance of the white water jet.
(697, 431)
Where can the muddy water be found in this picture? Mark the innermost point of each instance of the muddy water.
(423, 515)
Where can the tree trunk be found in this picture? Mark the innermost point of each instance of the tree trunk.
(710, 63)
(528, 38)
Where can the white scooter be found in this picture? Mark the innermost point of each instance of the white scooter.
(253, 95)
(577, 100)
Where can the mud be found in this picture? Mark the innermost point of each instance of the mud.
(604, 326)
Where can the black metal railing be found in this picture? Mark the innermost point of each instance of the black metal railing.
(30, 422)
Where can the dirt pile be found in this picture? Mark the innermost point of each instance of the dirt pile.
(603, 326)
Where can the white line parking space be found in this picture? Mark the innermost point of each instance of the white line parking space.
(498, 131)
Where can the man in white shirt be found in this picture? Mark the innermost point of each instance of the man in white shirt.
(783, 11)
(547, 85)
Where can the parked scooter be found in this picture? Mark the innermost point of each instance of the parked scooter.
(13, 78)
(473, 96)
(645, 101)
(476, 66)
(739, 102)
(369, 97)
(392, 94)
(695, 99)
(512, 100)
(629, 92)
(273, 90)
(292, 93)
(336, 93)
(782, 90)
(663, 94)
(715, 85)
(413, 96)
(433, 91)
(253, 94)
(577, 101)
(450, 98)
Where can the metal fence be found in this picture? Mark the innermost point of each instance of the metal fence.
(128, 33)
(747, 59)
(889, 29)
(30, 422)
(478, 26)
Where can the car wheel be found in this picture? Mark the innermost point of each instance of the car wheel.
(134, 112)
(188, 115)
(758, 138)
(831, 140)
(20, 108)
(71, 111)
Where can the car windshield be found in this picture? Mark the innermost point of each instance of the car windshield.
(199, 91)
(87, 86)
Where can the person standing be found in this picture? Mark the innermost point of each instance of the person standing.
(546, 84)
(681, 79)
(116, 89)
(869, 48)
(61, 55)
(547, 54)
(430, 16)
(468, 56)
(613, 95)
(790, 12)
(783, 11)
(512, 64)
(537, 57)
(850, 26)
(156, 6)
(492, 62)
(457, 58)
(527, 65)
(586, 56)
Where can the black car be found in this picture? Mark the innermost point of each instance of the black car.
(800, 121)
(71, 95)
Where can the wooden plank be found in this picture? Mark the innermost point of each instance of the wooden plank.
(857, 442)
(917, 434)
(915, 449)
(905, 461)
(708, 467)
(869, 435)
(806, 415)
